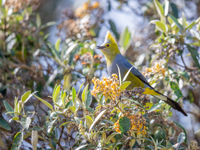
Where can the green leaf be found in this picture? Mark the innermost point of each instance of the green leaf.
(17, 141)
(38, 20)
(125, 39)
(174, 9)
(160, 26)
(89, 121)
(8, 107)
(57, 45)
(124, 85)
(88, 100)
(113, 28)
(97, 119)
(125, 124)
(63, 98)
(160, 10)
(111, 136)
(194, 54)
(184, 130)
(175, 88)
(72, 108)
(176, 22)
(51, 126)
(73, 95)
(26, 122)
(48, 24)
(56, 93)
(68, 104)
(4, 124)
(45, 102)
(181, 138)
(84, 94)
(25, 96)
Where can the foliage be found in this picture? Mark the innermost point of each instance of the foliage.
(86, 110)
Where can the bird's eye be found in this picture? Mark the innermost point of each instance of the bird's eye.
(107, 45)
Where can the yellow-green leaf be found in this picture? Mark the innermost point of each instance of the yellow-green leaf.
(45, 102)
(160, 26)
(56, 93)
(84, 94)
(89, 121)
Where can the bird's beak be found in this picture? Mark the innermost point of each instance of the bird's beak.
(101, 47)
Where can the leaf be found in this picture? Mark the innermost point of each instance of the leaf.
(184, 130)
(34, 139)
(51, 126)
(119, 73)
(113, 28)
(38, 20)
(159, 9)
(125, 39)
(194, 54)
(181, 138)
(84, 94)
(17, 141)
(73, 95)
(65, 123)
(63, 98)
(89, 121)
(166, 7)
(88, 100)
(67, 81)
(4, 124)
(174, 9)
(97, 119)
(68, 104)
(8, 107)
(176, 22)
(25, 95)
(48, 24)
(26, 122)
(124, 85)
(57, 45)
(56, 93)
(126, 75)
(125, 124)
(191, 25)
(110, 137)
(45, 102)
(175, 88)
(81, 147)
(160, 26)
(72, 108)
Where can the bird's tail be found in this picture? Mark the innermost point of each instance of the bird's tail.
(170, 102)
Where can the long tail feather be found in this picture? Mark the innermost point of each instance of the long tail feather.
(170, 102)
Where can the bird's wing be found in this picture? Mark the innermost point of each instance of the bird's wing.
(134, 71)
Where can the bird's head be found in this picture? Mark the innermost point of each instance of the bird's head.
(109, 47)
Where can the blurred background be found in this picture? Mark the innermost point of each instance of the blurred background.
(48, 42)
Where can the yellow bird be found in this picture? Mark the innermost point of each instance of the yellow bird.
(115, 60)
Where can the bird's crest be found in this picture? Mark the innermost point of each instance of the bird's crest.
(109, 38)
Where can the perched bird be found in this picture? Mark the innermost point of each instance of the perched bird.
(115, 60)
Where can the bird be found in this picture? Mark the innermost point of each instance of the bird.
(116, 63)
